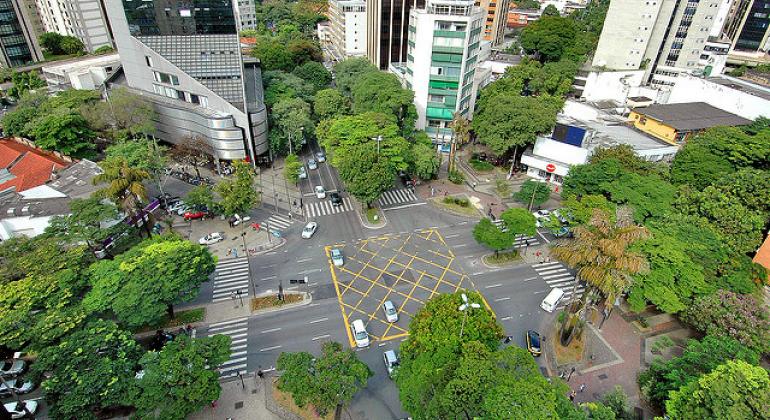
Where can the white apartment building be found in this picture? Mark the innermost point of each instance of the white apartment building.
(347, 29)
(247, 14)
(82, 73)
(442, 55)
(83, 19)
(663, 37)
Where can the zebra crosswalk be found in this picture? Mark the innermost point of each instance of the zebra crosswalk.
(521, 240)
(236, 329)
(555, 274)
(231, 275)
(397, 196)
(278, 222)
(325, 207)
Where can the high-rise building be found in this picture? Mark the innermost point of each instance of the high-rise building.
(18, 38)
(665, 37)
(83, 19)
(187, 60)
(443, 50)
(247, 14)
(387, 30)
(347, 28)
(496, 19)
(748, 25)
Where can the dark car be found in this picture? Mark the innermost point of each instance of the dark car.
(533, 342)
(336, 198)
(406, 179)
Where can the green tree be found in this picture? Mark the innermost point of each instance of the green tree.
(280, 85)
(51, 41)
(200, 196)
(142, 284)
(519, 221)
(304, 50)
(66, 133)
(129, 114)
(314, 73)
(104, 50)
(488, 234)
(291, 117)
(627, 157)
(382, 92)
(617, 402)
(648, 195)
(581, 209)
(591, 178)
(193, 150)
(145, 154)
(506, 121)
(181, 378)
(531, 191)
(424, 160)
(550, 10)
(238, 194)
(84, 223)
(72, 45)
(330, 103)
(728, 314)
(124, 186)
(600, 253)
(89, 371)
(549, 37)
(25, 82)
(331, 380)
(735, 390)
(291, 167)
(366, 175)
(273, 54)
(348, 72)
(15, 122)
(699, 358)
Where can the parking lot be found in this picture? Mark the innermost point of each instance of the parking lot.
(406, 269)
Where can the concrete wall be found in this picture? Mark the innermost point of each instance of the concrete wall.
(611, 85)
(694, 89)
(626, 33)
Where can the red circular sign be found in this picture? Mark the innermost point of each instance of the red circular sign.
(550, 167)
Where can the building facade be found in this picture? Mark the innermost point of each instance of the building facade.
(663, 37)
(188, 62)
(83, 19)
(387, 30)
(748, 25)
(496, 19)
(18, 37)
(87, 73)
(443, 49)
(247, 14)
(347, 29)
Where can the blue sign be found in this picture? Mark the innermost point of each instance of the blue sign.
(276, 233)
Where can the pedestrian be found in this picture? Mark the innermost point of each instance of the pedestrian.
(582, 387)
(260, 374)
(235, 252)
(229, 251)
(572, 395)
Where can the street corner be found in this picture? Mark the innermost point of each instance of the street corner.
(404, 269)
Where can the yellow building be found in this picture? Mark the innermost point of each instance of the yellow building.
(676, 123)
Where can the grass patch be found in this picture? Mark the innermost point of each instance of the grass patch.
(456, 177)
(272, 301)
(373, 216)
(454, 208)
(481, 166)
(307, 412)
(458, 201)
(180, 318)
(502, 258)
(570, 354)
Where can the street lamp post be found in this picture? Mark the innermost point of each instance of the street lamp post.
(464, 309)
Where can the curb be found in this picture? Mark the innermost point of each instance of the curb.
(433, 204)
(361, 218)
(516, 263)
(306, 301)
(281, 243)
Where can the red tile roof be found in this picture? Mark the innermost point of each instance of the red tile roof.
(762, 256)
(30, 167)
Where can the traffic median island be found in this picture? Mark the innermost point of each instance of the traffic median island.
(269, 302)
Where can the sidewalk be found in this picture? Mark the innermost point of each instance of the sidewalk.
(239, 401)
(235, 237)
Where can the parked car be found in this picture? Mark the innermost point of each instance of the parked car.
(237, 219)
(309, 230)
(390, 311)
(320, 156)
(17, 411)
(563, 231)
(302, 173)
(541, 213)
(211, 238)
(337, 258)
(320, 192)
(195, 214)
(390, 357)
(176, 206)
(533, 342)
(18, 385)
(312, 164)
(360, 335)
(336, 198)
(12, 367)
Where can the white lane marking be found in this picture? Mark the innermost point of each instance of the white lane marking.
(405, 206)
(315, 321)
(304, 260)
(454, 235)
(502, 299)
(267, 278)
(530, 279)
(505, 318)
(494, 285)
(271, 330)
(320, 337)
(270, 348)
(460, 246)
(544, 238)
(232, 321)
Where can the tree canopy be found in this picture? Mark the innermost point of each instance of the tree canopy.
(382, 92)
(238, 194)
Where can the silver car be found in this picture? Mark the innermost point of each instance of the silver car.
(312, 164)
(18, 385)
(390, 311)
(17, 411)
(320, 156)
(13, 367)
(309, 230)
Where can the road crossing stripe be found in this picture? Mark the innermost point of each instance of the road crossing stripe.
(558, 275)
(232, 288)
(220, 330)
(233, 370)
(239, 280)
(223, 299)
(231, 361)
(537, 266)
(242, 275)
(232, 321)
(224, 265)
(551, 271)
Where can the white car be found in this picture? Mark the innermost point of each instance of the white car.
(211, 238)
(320, 156)
(541, 213)
(302, 173)
(179, 205)
(18, 385)
(17, 412)
(390, 311)
(337, 258)
(312, 164)
(309, 230)
(237, 219)
(12, 367)
(360, 336)
(320, 192)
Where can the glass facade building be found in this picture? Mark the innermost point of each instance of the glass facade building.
(18, 41)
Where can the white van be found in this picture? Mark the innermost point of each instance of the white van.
(359, 333)
(552, 300)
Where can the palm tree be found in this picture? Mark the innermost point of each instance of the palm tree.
(599, 252)
(125, 187)
(461, 129)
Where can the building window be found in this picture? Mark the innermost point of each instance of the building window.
(148, 60)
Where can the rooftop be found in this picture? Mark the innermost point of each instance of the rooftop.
(691, 116)
(63, 67)
(26, 167)
(745, 86)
